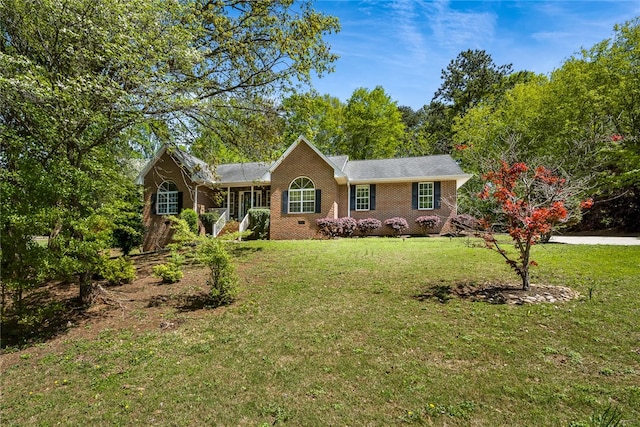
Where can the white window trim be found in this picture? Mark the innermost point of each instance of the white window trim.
(362, 198)
(426, 197)
(301, 202)
(163, 199)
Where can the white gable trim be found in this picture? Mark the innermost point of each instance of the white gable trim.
(338, 174)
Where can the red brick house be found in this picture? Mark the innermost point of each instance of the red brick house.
(300, 187)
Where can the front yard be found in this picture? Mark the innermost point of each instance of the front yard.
(345, 332)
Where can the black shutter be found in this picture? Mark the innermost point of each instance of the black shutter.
(318, 200)
(372, 197)
(179, 201)
(414, 195)
(436, 195)
(285, 202)
(153, 203)
(352, 197)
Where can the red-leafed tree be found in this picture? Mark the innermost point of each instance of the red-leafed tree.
(528, 203)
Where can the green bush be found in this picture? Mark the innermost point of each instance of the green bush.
(208, 219)
(182, 234)
(118, 271)
(222, 275)
(259, 223)
(192, 219)
(170, 272)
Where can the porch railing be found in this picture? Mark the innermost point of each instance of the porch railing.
(221, 222)
(244, 225)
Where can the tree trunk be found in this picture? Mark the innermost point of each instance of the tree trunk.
(525, 279)
(86, 288)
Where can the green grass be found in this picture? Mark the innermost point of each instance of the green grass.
(331, 333)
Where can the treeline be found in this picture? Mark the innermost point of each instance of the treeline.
(581, 121)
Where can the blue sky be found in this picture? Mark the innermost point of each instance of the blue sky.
(402, 45)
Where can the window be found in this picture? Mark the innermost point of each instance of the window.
(167, 199)
(362, 197)
(302, 196)
(268, 198)
(425, 195)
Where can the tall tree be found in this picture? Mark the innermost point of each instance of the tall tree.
(76, 76)
(318, 117)
(373, 125)
(469, 79)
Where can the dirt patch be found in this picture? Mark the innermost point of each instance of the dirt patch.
(500, 293)
(145, 304)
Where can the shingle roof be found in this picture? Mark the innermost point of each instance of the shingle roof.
(243, 172)
(408, 168)
(356, 171)
(198, 169)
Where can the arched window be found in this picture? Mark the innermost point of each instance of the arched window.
(167, 199)
(302, 196)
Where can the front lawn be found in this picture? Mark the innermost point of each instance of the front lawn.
(338, 332)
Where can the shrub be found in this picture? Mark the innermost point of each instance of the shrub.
(397, 224)
(428, 222)
(128, 236)
(328, 227)
(337, 227)
(259, 223)
(208, 219)
(191, 217)
(463, 222)
(171, 272)
(347, 226)
(222, 276)
(182, 235)
(117, 271)
(367, 225)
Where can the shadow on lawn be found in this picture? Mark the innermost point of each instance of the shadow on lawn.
(41, 317)
(184, 303)
(490, 293)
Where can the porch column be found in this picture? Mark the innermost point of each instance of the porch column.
(228, 202)
(252, 197)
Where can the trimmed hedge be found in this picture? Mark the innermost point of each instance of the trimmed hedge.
(428, 222)
(397, 224)
(337, 227)
(368, 225)
(259, 220)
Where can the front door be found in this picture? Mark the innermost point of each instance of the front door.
(245, 204)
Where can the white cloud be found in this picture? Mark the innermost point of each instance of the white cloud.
(458, 29)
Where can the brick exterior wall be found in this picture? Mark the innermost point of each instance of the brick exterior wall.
(394, 200)
(302, 161)
(158, 232)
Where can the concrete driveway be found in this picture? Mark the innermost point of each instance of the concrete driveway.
(596, 240)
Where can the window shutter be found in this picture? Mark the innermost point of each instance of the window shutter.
(153, 203)
(414, 195)
(372, 197)
(179, 201)
(352, 197)
(318, 200)
(285, 202)
(436, 195)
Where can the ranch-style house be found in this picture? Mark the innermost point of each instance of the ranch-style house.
(300, 187)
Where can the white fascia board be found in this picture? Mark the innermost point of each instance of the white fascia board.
(460, 179)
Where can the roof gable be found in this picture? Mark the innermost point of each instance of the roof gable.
(338, 173)
(199, 171)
